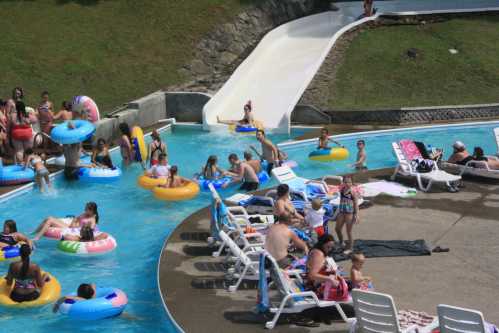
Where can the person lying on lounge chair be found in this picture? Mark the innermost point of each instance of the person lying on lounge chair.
(460, 154)
(478, 155)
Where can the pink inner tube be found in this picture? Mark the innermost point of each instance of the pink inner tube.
(101, 246)
(57, 233)
(120, 299)
(85, 103)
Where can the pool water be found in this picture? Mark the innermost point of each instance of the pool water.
(140, 223)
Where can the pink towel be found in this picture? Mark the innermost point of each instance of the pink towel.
(410, 150)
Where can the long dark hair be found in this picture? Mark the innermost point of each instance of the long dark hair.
(322, 241)
(93, 207)
(25, 252)
(11, 224)
(21, 111)
(125, 130)
(86, 234)
(173, 172)
(14, 97)
(209, 163)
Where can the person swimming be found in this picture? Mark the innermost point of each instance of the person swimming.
(247, 120)
(211, 170)
(10, 236)
(324, 139)
(84, 292)
(89, 217)
(101, 156)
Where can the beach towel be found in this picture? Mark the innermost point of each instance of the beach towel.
(389, 188)
(410, 150)
(386, 248)
(263, 302)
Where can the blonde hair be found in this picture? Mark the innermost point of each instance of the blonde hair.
(316, 204)
(357, 257)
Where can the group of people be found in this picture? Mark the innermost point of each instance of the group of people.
(27, 277)
(19, 123)
(461, 156)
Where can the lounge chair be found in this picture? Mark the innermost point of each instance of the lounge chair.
(405, 168)
(285, 175)
(376, 313)
(245, 266)
(294, 298)
(458, 320)
(474, 168)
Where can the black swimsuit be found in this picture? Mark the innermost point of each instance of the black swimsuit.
(7, 239)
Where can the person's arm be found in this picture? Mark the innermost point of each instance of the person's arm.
(39, 278)
(22, 238)
(236, 177)
(94, 155)
(298, 243)
(28, 160)
(334, 141)
(58, 304)
(149, 151)
(275, 151)
(356, 218)
(355, 276)
(9, 278)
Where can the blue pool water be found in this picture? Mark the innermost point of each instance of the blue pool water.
(140, 224)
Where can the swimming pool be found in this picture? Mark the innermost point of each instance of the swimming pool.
(140, 224)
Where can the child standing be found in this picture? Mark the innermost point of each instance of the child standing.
(348, 212)
(359, 281)
(314, 218)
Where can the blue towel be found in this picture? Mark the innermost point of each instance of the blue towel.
(263, 302)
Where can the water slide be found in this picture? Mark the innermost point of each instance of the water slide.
(277, 72)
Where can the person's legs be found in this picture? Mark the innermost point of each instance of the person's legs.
(349, 223)
(339, 225)
(49, 222)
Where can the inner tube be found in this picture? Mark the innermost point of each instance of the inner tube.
(50, 292)
(186, 192)
(329, 154)
(108, 302)
(22, 132)
(217, 183)
(10, 252)
(263, 176)
(64, 135)
(245, 129)
(149, 183)
(99, 175)
(15, 175)
(86, 104)
(139, 145)
(88, 248)
(57, 233)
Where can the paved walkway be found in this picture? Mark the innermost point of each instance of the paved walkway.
(193, 285)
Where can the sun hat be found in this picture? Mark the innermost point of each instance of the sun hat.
(458, 145)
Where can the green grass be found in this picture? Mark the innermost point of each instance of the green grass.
(112, 50)
(376, 73)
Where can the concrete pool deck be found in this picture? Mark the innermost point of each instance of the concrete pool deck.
(193, 287)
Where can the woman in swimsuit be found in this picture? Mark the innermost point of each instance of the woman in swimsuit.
(126, 148)
(100, 155)
(45, 113)
(211, 170)
(29, 279)
(156, 147)
(10, 236)
(86, 235)
(322, 277)
(283, 206)
(174, 180)
(90, 217)
(348, 212)
(20, 118)
(479, 155)
(36, 163)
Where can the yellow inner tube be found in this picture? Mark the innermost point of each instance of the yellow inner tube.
(149, 183)
(138, 137)
(51, 291)
(335, 154)
(186, 192)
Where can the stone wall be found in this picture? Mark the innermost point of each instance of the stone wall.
(221, 51)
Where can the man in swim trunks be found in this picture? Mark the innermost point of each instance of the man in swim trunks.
(242, 172)
(72, 165)
(279, 237)
(270, 153)
(460, 154)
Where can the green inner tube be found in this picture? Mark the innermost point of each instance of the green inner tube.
(69, 246)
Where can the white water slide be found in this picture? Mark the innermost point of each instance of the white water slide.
(278, 71)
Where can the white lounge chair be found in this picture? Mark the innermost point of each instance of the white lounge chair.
(458, 320)
(293, 297)
(436, 175)
(376, 313)
(245, 266)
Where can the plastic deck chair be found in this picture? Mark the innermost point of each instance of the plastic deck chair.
(376, 313)
(496, 134)
(293, 297)
(453, 319)
(405, 168)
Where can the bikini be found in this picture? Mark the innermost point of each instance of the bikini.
(346, 201)
(43, 170)
(25, 284)
(156, 148)
(7, 239)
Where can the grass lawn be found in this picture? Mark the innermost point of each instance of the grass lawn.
(376, 73)
(111, 50)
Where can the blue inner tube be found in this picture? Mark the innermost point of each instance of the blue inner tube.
(217, 183)
(99, 175)
(15, 174)
(245, 129)
(108, 302)
(10, 252)
(263, 176)
(64, 135)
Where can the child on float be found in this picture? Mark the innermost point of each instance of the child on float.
(160, 170)
(324, 139)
